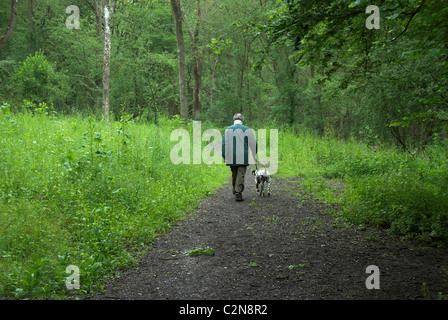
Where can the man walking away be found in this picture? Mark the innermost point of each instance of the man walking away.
(236, 143)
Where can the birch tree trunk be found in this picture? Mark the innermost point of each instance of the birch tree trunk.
(108, 10)
(12, 22)
(177, 12)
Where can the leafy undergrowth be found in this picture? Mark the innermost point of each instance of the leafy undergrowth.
(87, 193)
(402, 192)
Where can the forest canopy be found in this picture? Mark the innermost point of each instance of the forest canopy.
(373, 70)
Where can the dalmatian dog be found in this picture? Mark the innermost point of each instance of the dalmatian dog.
(262, 181)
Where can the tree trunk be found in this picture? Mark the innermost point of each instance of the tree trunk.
(32, 34)
(198, 59)
(100, 55)
(341, 125)
(12, 22)
(212, 79)
(319, 107)
(177, 12)
(107, 11)
(31, 14)
(98, 17)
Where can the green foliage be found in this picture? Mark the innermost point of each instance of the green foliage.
(289, 62)
(405, 193)
(144, 68)
(365, 77)
(6, 108)
(409, 198)
(37, 79)
(89, 193)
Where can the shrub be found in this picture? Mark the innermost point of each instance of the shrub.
(37, 80)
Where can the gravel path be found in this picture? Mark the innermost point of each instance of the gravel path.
(280, 247)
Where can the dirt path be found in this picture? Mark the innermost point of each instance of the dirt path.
(278, 248)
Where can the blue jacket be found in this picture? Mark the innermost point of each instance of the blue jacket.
(237, 153)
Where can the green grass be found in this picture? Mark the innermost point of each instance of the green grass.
(95, 194)
(402, 192)
(200, 251)
(89, 193)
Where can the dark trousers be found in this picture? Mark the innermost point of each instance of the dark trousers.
(238, 174)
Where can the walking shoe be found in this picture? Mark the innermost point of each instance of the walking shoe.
(238, 197)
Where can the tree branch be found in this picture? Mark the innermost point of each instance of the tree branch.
(12, 21)
(413, 14)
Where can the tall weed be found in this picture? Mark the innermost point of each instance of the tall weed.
(80, 191)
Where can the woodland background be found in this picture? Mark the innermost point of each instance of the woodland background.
(312, 64)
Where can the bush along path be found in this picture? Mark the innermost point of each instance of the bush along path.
(280, 247)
